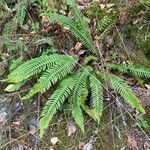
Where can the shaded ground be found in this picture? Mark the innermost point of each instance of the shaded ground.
(117, 130)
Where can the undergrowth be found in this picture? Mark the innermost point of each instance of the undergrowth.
(78, 82)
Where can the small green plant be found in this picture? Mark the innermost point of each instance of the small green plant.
(74, 80)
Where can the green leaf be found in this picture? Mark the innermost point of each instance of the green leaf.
(77, 94)
(97, 96)
(52, 75)
(33, 66)
(54, 103)
(126, 92)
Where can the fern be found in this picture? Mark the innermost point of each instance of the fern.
(145, 1)
(106, 24)
(45, 41)
(55, 101)
(51, 76)
(79, 18)
(21, 11)
(131, 69)
(65, 21)
(97, 96)
(53, 67)
(76, 97)
(126, 92)
(91, 112)
(34, 66)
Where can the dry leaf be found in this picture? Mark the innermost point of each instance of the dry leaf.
(132, 143)
(78, 46)
(32, 131)
(102, 6)
(71, 128)
(89, 145)
(110, 5)
(147, 145)
(51, 148)
(147, 86)
(54, 140)
(81, 145)
(45, 19)
(17, 122)
(81, 52)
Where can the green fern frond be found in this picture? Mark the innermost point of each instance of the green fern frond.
(105, 22)
(51, 76)
(97, 96)
(89, 59)
(126, 92)
(33, 67)
(45, 41)
(66, 22)
(7, 31)
(54, 102)
(131, 69)
(79, 18)
(91, 112)
(145, 1)
(21, 11)
(79, 88)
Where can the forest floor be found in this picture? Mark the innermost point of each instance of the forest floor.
(121, 127)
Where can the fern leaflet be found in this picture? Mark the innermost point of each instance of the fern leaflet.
(21, 11)
(79, 19)
(33, 67)
(65, 21)
(126, 92)
(51, 76)
(97, 96)
(54, 102)
(131, 69)
(76, 97)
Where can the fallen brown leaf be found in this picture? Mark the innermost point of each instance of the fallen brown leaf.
(17, 122)
(54, 140)
(71, 128)
(132, 143)
(32, 131)
(81, 145)
(147, 86)
(147, 145)
(89, 145)
(78, 46)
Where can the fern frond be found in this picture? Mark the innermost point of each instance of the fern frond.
(21, 11)
(76, 97)
(45, 41)
(66, 22)
(33, 67)
(91, 112)
(51, 76)
(54, 102)
(145, 1)
(131, 69)
(97, 96)
(79, 18)
(7, 31)
(105, 22)
(89, 59)
(125, 91)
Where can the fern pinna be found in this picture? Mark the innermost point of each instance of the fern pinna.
(74, 83)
